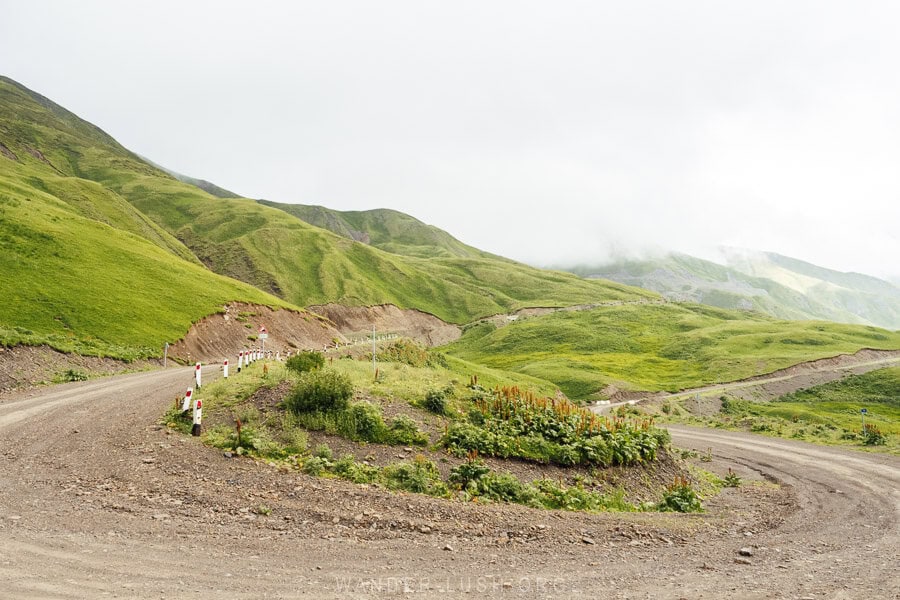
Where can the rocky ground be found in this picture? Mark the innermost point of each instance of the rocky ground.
(98, 500)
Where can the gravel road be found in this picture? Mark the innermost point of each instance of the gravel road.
(97, 500)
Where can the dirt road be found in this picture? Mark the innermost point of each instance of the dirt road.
(97, 500)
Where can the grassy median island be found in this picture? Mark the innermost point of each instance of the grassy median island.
(454, 437)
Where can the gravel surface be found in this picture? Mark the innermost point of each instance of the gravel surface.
(97, 500)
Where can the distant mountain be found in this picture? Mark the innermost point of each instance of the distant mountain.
(770, 283)
(874, 300)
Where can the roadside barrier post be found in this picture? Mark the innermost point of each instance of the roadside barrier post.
(197, 372)
(225, 369)
(240, 360)
(195, 430)
(186, 403)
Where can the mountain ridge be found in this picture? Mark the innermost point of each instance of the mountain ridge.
(777, 285)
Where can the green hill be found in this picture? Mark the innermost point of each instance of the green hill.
(75, 280)
(658, 347)
(778, 286)
(386, 229)
(105, 253)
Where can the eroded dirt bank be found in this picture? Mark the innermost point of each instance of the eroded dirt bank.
(222, 335)
(357, 321)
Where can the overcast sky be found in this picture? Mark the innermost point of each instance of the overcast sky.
(549, 132)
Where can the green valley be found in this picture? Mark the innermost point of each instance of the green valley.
(657, 347)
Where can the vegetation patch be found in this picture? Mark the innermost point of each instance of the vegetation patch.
(657, 347)
(513, 423)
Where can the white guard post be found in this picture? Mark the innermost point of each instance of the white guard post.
(186, 403)
(240, 360)
(195, 430)
(225, 369)
(197, 372)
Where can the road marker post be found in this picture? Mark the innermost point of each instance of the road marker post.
(186, 403)
(225, 369)
(198, 409)
(240, 360)
(197, 374)
(862, 413)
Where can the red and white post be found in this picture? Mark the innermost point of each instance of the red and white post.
(198, 409)
(186, 403)
(197, 374)
(240, 360)
(225, 369)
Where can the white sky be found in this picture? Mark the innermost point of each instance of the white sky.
(548, 131)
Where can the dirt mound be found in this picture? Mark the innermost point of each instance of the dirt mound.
(222, 335)
(357, 321)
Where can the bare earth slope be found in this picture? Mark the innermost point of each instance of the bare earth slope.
(96, 499)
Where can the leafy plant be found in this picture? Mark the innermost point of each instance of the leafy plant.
(420, 476)
(680, 497)
(436, 402)
(324, 390)
(732, 479)
(872, 436)
(469, 472)
(406, 431)
(315, 465)
(305, 361)
(73, 375)
(323, 451)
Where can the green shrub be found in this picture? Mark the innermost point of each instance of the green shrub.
(680, 497)
(404, 351)
(568, 498)
(405, 431)
(323, 451)
(505, 487)
(347, 468)
(468, 473)
(73, 375)
(315, 465)
(323, 390)
(305, 361)
(732, 479)
(436, 402)
(294, 438)
(872, 436)
(366, 422)
(420, 476)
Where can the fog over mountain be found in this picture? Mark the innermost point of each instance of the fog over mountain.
(743, 279)
(547, 132)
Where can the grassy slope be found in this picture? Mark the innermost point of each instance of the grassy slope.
(81, 285)
(82, 269)
(278, 252)
(386, 229)
(658, 347)
(839, 402)
(87, 258)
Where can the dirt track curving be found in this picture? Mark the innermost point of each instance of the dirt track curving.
(96, 500)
